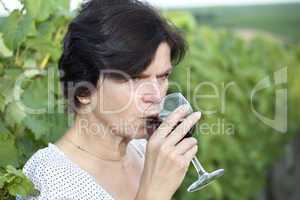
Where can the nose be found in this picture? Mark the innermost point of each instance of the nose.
(152, 98)
(152, 103)
(152, 92)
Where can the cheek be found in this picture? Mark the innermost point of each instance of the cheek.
(116, 98)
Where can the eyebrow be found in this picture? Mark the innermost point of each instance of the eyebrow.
(166, 72)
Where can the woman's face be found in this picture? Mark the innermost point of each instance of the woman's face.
(122, 105)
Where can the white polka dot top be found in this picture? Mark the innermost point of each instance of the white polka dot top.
(58, 178)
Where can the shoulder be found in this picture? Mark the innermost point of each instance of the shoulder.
(57, 178)
(46, 164)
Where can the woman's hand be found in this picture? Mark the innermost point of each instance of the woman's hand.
(167, 157)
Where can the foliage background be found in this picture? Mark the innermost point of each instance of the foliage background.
(30, 41)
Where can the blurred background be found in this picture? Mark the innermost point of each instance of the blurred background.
(241, 71)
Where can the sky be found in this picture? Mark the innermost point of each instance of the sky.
(12, 4)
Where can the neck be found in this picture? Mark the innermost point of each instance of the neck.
(95, 137)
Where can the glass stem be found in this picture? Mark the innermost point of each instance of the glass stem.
(200, 170)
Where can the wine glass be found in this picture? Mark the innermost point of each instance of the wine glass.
(167, 106)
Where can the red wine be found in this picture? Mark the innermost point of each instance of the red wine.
(154, 122)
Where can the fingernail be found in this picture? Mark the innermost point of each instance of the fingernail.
(198, 114)
(195, 141)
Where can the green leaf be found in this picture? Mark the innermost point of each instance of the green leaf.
(10, 169)
(30, 63)
(46, 30)
(8, 150)
(38, 124)
(26, 146)
(44, 47)
(35, 96)
(3, 129)
(2, 103)
(9, 27)
(3, 180)
(26, 27)
(4, 51)
(1, 69)
(7, 84)
(17, 28)
(50, 125)
(41, 10)
(14, 114)
(38, 9)
(60, 126)
(17, 183)
(62, 6)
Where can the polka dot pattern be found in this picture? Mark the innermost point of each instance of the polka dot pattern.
(58, 178)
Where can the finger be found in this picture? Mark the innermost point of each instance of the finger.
(182, 129)
(185, 145)
(190, 154)
(171, 121)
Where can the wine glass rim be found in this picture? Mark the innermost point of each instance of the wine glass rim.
(182, 98)
(182, 101)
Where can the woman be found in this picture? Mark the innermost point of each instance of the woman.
(115, 64)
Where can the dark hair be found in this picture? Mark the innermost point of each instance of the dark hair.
(114, 34)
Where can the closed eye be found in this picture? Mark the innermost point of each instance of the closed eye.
(165, 75)
(135, 78)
